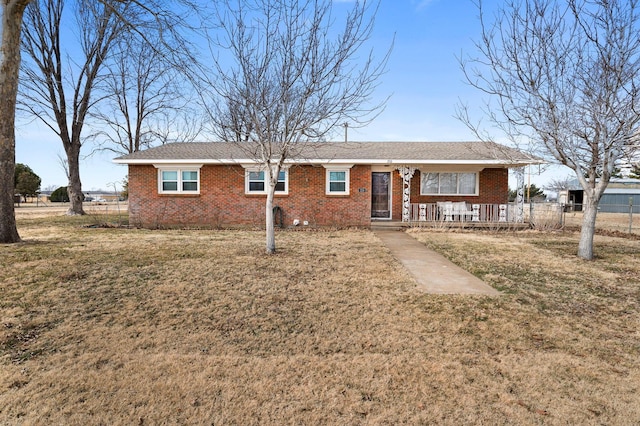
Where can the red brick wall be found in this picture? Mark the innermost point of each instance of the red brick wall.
(396, 196)
(494, 189)
(222, 201)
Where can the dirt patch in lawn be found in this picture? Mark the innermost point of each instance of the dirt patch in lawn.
(122, 326)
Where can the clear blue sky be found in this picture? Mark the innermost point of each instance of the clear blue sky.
(424, 80)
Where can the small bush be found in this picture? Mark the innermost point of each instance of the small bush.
(60, 195)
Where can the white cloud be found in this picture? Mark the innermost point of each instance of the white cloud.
(421, 4)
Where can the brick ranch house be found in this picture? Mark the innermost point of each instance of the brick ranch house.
(340, 184)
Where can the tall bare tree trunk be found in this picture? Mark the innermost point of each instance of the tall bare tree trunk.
(74, 189)
(11, 18)
(271, 233)
(589, 212)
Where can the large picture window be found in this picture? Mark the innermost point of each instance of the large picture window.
(256, 182)
(449, 184)
(179, 180)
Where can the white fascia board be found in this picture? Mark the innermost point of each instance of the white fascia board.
(259, 165)
(181, 164)
(378, 162)
(337, 166)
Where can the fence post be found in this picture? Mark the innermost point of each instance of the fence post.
(532, 213)
(630, 213)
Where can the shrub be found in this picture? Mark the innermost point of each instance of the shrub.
(60, 195)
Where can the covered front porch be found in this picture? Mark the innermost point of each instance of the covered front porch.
(472, 209)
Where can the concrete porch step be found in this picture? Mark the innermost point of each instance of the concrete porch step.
(388, 225)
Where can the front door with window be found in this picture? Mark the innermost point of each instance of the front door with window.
(381, 195)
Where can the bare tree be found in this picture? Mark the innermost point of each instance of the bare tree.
(286, 78)
(58, 87)
(163, 19)
(61, 87)
(563, 75)
(146, 99)
(11, 12)
(63, 162)
(559, 184)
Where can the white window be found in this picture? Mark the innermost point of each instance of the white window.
(337, 182)
(179, 180)
(449, 183)
(256, 182)
(337, 179)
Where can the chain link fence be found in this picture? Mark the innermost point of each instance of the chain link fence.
(612, 217)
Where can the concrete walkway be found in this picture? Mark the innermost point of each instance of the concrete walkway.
(432, 271)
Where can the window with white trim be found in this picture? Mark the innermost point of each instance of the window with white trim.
(337, 182)
(448, 183)
(179, 180)
(256, 182)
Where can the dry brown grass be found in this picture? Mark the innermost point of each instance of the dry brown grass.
(35, 211)
(127, 326)
(618, 222)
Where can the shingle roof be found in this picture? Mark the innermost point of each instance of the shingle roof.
(336, 152)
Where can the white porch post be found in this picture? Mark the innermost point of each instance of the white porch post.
(519, 194)
(406, 173)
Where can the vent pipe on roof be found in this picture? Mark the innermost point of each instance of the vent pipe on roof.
(346, 127)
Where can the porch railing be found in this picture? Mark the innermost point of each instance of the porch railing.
(464, 212)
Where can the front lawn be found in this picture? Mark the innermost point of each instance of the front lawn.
(129, 326)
